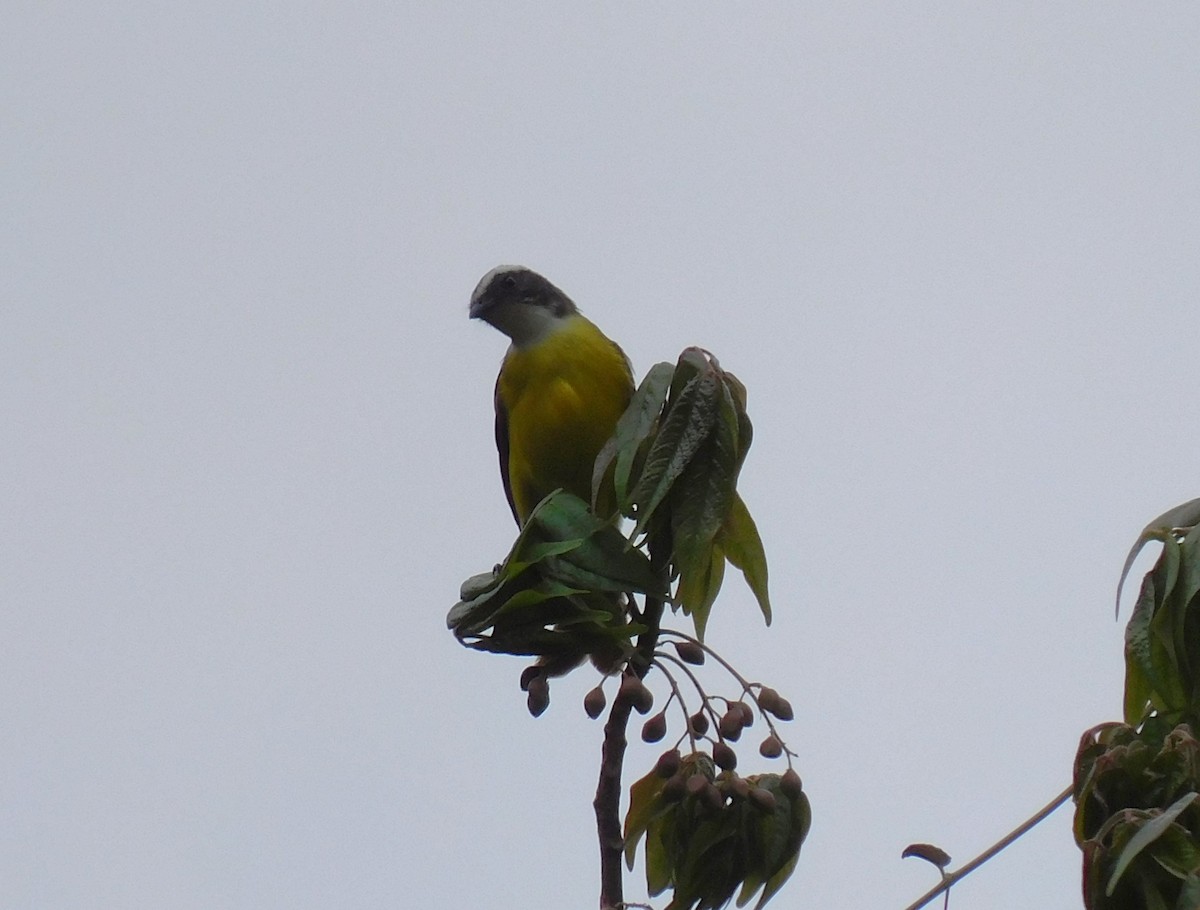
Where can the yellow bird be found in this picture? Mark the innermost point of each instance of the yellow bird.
(561, 388)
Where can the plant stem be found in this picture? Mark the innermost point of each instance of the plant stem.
(608, 804)
(612, 758)
(950, 878)
(612, 753)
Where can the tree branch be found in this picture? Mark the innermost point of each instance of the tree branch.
(951, 877)
(612, 758)
(608, 804)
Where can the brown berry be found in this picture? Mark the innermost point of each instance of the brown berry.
(674, 789)
(655, 728)
(594, 702)
(762, 799)
(668, 763)
(730, 725)
(635, 692)
(539, 695)
(724, 757)
(714, 797)
(690, 652)
(696, 784)
(768, 699)
(528, 674)
(747, 713)
(698, 723)
(790, 783)
(771, 747)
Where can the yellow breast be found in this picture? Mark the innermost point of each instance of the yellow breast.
(563, 396)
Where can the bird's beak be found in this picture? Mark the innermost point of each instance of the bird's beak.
(477, 309)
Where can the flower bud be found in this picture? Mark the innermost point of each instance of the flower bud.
(539, 695)
(655, 728)
(768, 699)
(528, 674)
(635, 692)
(673, 789)
(771, 747)
(714, 797)
(690, 652)
(762, 799)
(790, 783)
(747, 713)
(668, 763)
(730, 725)
(594, 702)
(724, 757)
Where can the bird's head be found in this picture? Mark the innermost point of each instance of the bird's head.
(520, 303)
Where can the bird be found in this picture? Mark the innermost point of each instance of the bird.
(562, 386)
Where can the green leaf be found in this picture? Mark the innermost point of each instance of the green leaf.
(702, 496)
(1182, 516)
(1189, 894)
(692, 362)
(778, 880)
(745, 427)
(1165, 654)
(1188, 582)
(614, 565)
(533, 551)
(1177, 852)
(700, 503)
(1171, 623)
(560, 528)
(801, 822)
(587, 580)
(633, 427)
(699, 586)
(776, 841)
(707, 874)
(1147, 834)
(1139, 663)
(644, 807)
(684, 431)
(563, 517)
(478, 611)
(479, 584)
(743, 547)
(546, 590)
(658, 858)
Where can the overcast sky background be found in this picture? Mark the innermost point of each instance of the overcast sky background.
(953, 250)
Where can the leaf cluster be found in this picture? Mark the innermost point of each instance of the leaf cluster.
(1137, 815)
(1162, 639)
(558, 594)
(673, 462)
(709, 833)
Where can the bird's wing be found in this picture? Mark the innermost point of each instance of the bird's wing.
(502, 449)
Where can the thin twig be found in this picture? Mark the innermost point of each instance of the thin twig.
(677, 696)
(747, 687)
(704, 705)
(951, 877)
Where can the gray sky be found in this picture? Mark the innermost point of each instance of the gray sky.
(952, 252)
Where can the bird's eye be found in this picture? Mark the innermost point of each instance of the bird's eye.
(509, 282)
